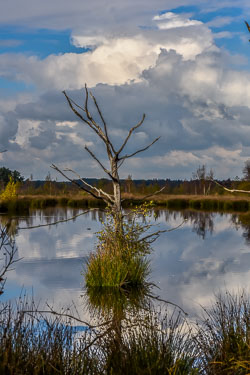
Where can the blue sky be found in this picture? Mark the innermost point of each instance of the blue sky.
(186, 66)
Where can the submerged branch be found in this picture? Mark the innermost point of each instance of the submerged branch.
(157, 298)
(156, 234)
(65, 315)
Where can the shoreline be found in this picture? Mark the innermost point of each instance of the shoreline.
(230, 203)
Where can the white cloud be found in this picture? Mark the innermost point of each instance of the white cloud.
(220, 21)
(172, 20)
(177, 158)
(199, 106)
(113, 61)
(223, 34)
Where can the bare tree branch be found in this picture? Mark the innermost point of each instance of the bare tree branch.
(155, 235)
(103, 121)
(93, 126)
(9, 250)
(76, 183)
(231, 190)
(157, 298)
(150, 195)
(98, 191)
(101, 165)
(130, 132)
(120, 164)
(115, 161)
(141, 150)
(248, 27)
(58, 221)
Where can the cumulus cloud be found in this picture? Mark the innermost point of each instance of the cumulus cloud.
(192, 97)
(8, 130)
(200, 122)
(113, 60)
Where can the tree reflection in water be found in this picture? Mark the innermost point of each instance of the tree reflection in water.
(243, 221)
(202, 222)
(138, 336)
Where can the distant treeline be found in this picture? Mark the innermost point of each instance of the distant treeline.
(201, 184)
(134, 187)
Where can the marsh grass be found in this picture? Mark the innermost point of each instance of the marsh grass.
(232, 203)
(111, 267)
(38, 345)
(120, 257)
(150, 341)
(149, 344)
(224, 336)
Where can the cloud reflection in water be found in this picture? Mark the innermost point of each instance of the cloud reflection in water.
(207, 254)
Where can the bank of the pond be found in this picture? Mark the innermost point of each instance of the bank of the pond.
(23, 204)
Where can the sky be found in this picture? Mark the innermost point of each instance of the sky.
(184, 63)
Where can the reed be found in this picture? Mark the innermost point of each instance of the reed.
(40, 345)
(148, 342)
(223, 336)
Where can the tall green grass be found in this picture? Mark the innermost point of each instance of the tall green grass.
(32, 344)
(223, 337)
(120, 257)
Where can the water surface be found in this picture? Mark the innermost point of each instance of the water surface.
(208, 253)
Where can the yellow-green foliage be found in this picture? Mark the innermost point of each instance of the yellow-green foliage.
(10, 192)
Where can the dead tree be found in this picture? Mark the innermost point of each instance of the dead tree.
(116, 156)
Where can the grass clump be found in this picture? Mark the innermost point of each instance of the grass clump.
(224, 336)
(120, 257)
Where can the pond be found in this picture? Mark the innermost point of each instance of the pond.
(208, 253)
(107, 330)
